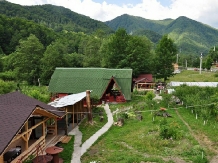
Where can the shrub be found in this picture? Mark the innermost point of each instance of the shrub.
(149, 95)
(168, 131)
(6, 87)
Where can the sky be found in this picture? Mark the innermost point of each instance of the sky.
(205, 11)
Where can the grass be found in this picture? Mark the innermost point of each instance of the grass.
(194, 76)
(87, 129)
(66, 155)
(140, 141)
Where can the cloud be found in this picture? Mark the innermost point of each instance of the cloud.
(204, 11)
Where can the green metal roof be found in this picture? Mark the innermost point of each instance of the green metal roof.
(76, 80)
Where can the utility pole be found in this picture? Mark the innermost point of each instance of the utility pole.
(200, 62)
(177, 58)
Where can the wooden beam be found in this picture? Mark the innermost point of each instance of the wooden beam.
(23, 133)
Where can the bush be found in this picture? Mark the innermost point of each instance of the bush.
(149, 95)
(39, 93)
(170, 131)
(6, 87)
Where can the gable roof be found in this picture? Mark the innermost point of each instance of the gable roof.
(144, 77)
(75, 80)
(15, 109)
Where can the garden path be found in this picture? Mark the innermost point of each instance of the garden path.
(80, 150)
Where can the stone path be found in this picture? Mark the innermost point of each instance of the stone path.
(80, 150)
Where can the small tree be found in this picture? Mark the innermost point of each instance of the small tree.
(208, 63)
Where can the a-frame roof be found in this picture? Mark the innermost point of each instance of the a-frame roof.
(75, 80)
(15, 109)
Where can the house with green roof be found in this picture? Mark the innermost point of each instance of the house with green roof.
(105, 84)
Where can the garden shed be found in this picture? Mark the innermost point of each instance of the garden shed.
(106, 84)
(24, 125)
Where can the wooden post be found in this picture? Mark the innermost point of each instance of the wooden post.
(26, 136)
(66, 118)
(77, 117)
(88, 102)
(1, 159)
(56, 126)
(43, 128)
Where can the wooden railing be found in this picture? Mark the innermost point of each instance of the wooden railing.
(32, 150)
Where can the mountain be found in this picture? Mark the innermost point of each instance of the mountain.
(55, 17)
(190, 36)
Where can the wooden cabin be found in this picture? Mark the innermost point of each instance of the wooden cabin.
(144, 82)
(25, 124)
(108, 85)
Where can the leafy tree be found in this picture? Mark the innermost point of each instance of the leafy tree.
(125, 51)
(91, 46)
(165, 57)
(114, 49)
(74, 60)
(29, 52)
(208, 63)
(53, 57)
(213, 53)
(138, 55)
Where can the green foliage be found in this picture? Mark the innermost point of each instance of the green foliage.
(136, 92)
(54, 17)
(15, 29)
(208, 63)
(151, 35)
(191, 36)
(149, 95)
(170, 131)
(29, 52)
(53, 57)
(121, 50)
(6, 87)
(39, 93)
(196, 152)
(8, 76)
(202, 100)
(165, 57)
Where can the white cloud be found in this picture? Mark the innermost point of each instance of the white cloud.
(204, 11)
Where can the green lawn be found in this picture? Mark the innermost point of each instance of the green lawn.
(194, 76)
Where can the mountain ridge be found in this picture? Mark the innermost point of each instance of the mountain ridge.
(55, 17)
(189, 35)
